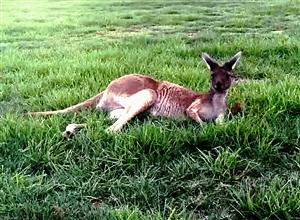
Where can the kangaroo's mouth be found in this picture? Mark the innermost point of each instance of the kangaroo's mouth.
(220, 88)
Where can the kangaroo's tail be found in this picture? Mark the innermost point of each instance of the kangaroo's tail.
(90, 103)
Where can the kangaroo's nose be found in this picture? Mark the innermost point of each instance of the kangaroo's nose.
(218, 84)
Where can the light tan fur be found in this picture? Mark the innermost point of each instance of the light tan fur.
(133, 94)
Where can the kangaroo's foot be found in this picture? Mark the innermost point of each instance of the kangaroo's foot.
(71, 129)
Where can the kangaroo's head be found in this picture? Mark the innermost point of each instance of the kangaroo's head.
(221, 76)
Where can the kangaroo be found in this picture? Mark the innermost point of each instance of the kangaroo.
(133, 94)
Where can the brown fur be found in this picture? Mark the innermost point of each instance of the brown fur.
(133, 94)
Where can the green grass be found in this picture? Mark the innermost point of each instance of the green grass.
(57, 53)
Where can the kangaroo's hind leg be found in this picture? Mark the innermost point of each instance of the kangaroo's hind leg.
(133, 105)
(117, 113)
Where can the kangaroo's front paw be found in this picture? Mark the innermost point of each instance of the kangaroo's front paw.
(220, 119)
(71, 129)
(236, 109)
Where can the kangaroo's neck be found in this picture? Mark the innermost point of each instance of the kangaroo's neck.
(216, 93)
(219, 98)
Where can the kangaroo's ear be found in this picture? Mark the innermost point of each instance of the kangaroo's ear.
(210, 62)
(230, 65)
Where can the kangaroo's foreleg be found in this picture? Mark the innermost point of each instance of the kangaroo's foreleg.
(134, 105)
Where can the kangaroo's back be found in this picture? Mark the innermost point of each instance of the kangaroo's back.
(128, 85)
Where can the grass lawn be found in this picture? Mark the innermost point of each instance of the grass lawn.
(55, 54)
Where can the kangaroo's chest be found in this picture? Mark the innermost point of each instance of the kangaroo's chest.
(212, 109)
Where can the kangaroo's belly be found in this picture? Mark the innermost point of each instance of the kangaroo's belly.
(169, 110)
(172, 101)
